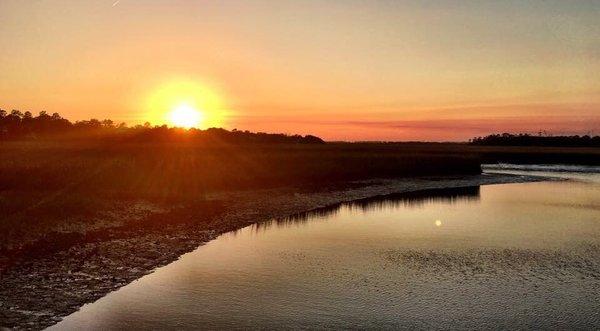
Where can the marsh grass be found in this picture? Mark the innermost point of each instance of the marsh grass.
(63, 187)
(181, 170)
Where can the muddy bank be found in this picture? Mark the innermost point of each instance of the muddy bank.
(37, 292)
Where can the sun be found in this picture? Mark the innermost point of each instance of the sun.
(185, 116)
(187, 104)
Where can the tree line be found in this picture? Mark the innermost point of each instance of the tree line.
(525, 139)
(17, 125)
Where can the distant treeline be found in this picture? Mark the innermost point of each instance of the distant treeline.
(17, 125)
(524, 139)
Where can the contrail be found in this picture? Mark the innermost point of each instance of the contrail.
(116, 3)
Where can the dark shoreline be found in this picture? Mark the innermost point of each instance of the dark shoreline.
(37, 293)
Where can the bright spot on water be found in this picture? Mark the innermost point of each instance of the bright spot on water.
(438, 223)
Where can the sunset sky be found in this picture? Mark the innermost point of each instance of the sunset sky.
(342, 70)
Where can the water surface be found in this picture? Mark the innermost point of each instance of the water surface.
(498, 256)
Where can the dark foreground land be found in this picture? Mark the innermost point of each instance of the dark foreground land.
(78, 220)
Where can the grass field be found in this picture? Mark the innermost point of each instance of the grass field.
(157, 170)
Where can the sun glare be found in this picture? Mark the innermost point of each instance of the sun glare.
(185, 116)
(186, 104)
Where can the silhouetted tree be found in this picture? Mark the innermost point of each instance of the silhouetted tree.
(17, 125)
(542, 139)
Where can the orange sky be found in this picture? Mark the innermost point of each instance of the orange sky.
(343, 70)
